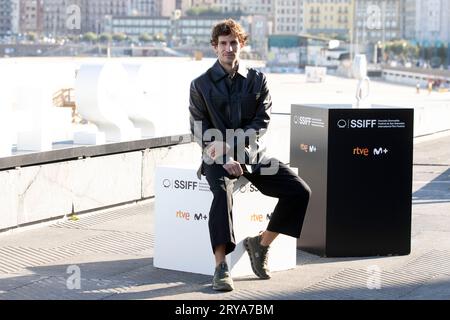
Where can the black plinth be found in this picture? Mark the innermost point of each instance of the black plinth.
(358, 163)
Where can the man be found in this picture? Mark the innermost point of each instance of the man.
(229, 97)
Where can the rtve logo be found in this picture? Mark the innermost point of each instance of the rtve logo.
(308, 148)
(361, 151)
(357, 123)
(187, 216)
(260, 217)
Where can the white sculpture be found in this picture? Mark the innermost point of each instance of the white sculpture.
(141, 111)
(29, 89)
(34, 132)
(360, 73)
(6, 126)
(102, 95)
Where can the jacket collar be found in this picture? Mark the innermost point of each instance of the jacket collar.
(218, 72)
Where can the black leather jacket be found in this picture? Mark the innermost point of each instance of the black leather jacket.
(222, 103)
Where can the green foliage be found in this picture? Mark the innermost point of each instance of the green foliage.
(145, 37)
(402, 49)
(159, 37)
(203, 11)
(89, 37)
(119, 37)
(105, 37)
(31, 36)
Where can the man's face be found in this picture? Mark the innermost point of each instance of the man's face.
(228, 49)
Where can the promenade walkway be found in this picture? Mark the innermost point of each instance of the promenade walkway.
(112, 251)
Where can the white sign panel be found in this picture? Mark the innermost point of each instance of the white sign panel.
(182, 239)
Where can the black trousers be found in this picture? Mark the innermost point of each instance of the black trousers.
(287, 217)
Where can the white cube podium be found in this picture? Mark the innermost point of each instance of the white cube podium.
(182, 241)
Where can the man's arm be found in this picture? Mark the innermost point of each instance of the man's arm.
(263, 109)
(199, 119)
(200, 123)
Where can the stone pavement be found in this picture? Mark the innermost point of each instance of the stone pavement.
(112, 251)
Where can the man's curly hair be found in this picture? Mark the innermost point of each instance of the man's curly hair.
(226, 28)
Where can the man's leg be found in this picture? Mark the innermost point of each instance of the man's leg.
(267, 237)
(219, 253)
(221, 223)
(293, 194)
(220, 215)
(287, 218)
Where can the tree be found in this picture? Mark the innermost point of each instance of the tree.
(145, 37)
(31, 36)
(442, 53)
(73, 38)
(342, 37)
(413, 51)
(159, 37)
(203, 11)
(428, 53)
(403, 49)
(105, 37)
(90, 37)
(119, 37)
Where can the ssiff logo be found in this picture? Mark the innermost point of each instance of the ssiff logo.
(305, 121)
(357, 123)
(181, 184)
(248, 188)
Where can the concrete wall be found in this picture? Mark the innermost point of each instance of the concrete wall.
(410, 78)
(431, 119)
(36, 193)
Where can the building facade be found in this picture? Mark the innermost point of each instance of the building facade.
(288, 17)
(62, 17)
(259, 7)
(31, 16)
(58, 15)
(190, 30)
(409, 11)
(377, 21)
(329, 17)
(9, 17)
(433, 24)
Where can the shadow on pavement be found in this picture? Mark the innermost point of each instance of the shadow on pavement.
(436, 191)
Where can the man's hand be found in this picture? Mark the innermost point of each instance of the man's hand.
(234, 168)
(217, 149)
